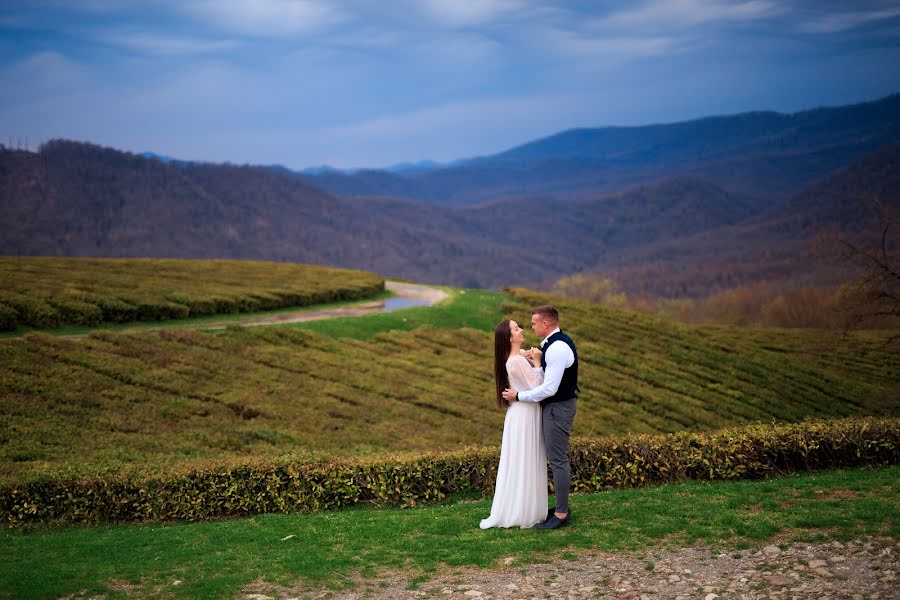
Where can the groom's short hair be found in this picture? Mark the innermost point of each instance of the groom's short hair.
(548, 312)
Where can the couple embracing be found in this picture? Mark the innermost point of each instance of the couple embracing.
(539, 388)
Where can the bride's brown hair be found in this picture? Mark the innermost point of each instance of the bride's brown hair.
(502, 347)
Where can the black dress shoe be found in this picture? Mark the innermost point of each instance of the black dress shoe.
(550, 512)
(555, 522)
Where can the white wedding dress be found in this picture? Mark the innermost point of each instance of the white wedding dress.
(520, 495)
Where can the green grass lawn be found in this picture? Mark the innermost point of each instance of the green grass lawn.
(476, 309)
(216, 559)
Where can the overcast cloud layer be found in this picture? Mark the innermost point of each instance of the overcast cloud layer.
(352, 83)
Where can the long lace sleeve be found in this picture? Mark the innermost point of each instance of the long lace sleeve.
(522, 376)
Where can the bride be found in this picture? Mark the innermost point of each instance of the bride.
(520, 494)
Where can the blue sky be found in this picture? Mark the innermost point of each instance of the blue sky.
(353, 83)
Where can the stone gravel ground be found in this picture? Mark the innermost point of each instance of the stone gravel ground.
(857, 570)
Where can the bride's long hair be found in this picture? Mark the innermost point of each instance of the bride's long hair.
(502, 348)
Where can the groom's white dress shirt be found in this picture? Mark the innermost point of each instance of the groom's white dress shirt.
(559, 357)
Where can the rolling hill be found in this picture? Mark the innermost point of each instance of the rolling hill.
(719, 202)
(781, 244)
(74, 199)
(154, 399)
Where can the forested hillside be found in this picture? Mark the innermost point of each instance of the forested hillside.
(682, 229)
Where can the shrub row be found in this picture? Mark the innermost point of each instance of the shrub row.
(755, 451)
(46, 313)
(747, 452)
(9, 318)
(259, 301)
(30, 311)
(47, 292)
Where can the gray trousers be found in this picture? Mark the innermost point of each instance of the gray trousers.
(557, 418)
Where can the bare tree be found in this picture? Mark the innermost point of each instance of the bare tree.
(874, 300)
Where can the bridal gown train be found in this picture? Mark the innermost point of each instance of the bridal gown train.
(520, 494)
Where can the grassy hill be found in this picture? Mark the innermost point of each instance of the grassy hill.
(155, 399)
(48, 292)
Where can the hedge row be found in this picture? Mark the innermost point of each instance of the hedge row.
(755, 451)
(9, 318)
(91, 310)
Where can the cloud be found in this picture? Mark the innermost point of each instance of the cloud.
(267, 18)
(463, 13)
(42, 74)
(658, 28)
(686, 13)
(39, 92)
(462, 49)
(164, 45)
(83, 6)
(15, 21)
(448, 130)
(848, 20)
(441, 115)
(367, 37)
(353, 82)
(606, 49)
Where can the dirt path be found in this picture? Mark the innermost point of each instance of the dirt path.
(407, 295)
(413, 294)
(860, 569)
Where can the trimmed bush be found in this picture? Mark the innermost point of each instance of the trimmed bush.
(32, 311)
(116, 310)
(47, 292)
(73, 311)
(9, 318)
(597, 464)
(752, 452)
(161, 311)
(266, 301)
(225, 305)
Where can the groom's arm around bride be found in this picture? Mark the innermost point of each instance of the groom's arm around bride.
(557, 396)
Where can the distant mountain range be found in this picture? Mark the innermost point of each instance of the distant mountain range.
(407, 167)
(679, 209)
(764, 154)
(782, 243)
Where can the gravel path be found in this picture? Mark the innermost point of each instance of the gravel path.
(862, 569)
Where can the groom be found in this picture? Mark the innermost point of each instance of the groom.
(557, 396)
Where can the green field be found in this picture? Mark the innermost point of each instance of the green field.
(217, 559)
(50, 292)
(148, 400)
